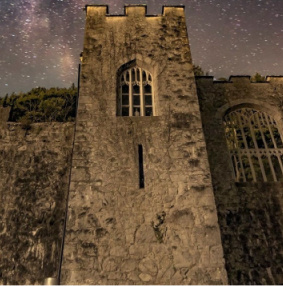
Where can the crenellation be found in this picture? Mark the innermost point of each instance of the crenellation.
(96, 10)
(135, 10)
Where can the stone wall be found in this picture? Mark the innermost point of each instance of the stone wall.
(250, 214)
(34, 180)
(4, 115)
(117, 232)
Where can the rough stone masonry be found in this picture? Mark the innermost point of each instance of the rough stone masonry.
(118, 232)
(138, 189)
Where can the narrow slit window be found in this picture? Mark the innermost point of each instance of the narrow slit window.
(141, 173)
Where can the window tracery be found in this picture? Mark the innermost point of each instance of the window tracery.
(255, 145)
(136, 96)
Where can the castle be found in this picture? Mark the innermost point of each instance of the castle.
(164, 178)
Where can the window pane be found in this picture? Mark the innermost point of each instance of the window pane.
(136, 89)
(277, 168)
(143, 76)
(125, 88)
(148, 111)
(277, 137)
(267, 169)
(125, 100)
(248, 136)
(257, 169)
(125, 111)
(127, 76)
(148, 100)
(136, 111)
(258, 137)
(247, 168)
(133, 75)
(239, 175)
(138, 74)
(240, 139)
(136, 100)
(267, 137)
(147, 89)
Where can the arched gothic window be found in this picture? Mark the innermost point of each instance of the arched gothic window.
(255, 145)
(135, 93)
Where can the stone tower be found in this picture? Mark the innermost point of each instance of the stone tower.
(141, 207)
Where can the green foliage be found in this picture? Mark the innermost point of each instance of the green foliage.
(42, 105)
(258, 78)
(198, 71)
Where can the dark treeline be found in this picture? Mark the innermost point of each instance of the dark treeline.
(42, 105)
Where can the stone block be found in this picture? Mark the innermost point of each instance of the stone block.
(118, 251)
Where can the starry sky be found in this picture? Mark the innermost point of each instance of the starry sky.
(41, 39)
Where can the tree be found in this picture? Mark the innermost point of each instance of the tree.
(258, 78)
(42, 105)
(198, 71)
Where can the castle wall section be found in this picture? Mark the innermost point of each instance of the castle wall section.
(34, 180)
(118, 232)
(250, 213)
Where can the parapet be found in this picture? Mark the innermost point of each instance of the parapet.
(204, 80)
(134, 10)
(275, 79)
(238, 79)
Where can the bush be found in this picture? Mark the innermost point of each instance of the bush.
(42, 105)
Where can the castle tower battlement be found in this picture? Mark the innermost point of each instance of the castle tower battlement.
(134, 10)
(141, 206)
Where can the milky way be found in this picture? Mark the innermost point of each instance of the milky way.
(41, 39)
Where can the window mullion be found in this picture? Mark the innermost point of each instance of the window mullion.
(141, 95)
(252, 133)
(280, 162)
(242, 167)
(265, 145)
(257, 150)
(256, 116)
(270, 130)
(130, 93)
(246, 146)
(121, 95)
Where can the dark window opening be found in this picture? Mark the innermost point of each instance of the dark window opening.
(255, 145)
(141, 173)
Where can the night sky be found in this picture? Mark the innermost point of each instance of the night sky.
(41, 39)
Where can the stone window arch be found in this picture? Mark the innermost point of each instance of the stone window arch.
(255, 145)
(135, 92)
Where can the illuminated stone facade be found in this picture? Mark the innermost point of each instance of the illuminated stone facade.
(141, 207)
(164, 179)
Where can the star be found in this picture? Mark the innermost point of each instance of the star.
(41, 40)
